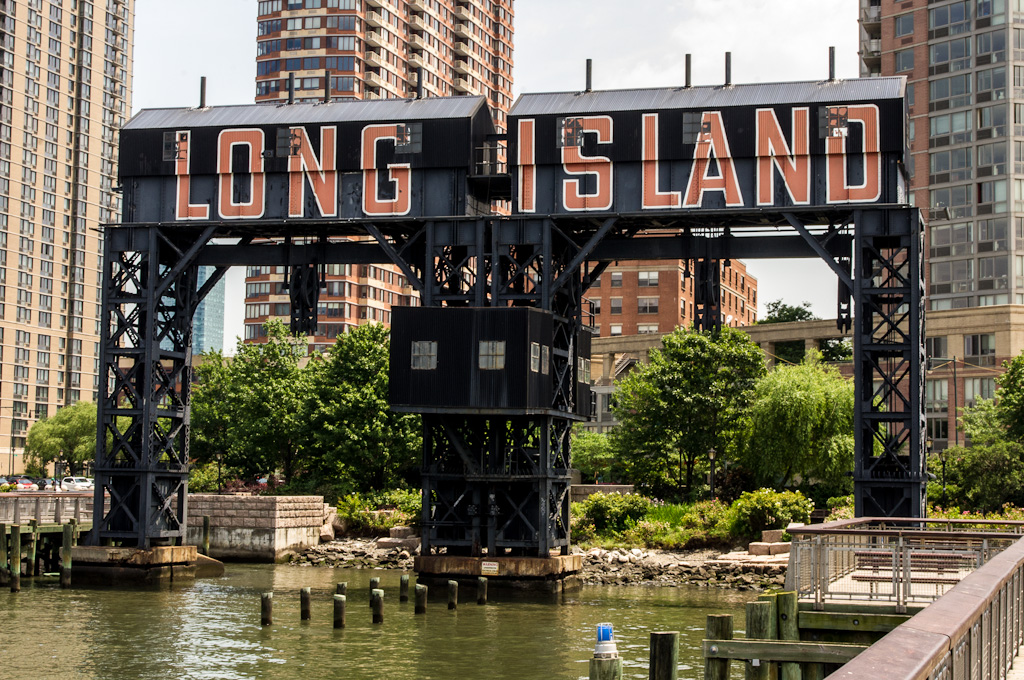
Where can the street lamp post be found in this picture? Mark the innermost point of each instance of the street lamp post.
(711, 457)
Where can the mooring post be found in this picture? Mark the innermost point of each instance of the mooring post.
(758, 627)
(65, 558)
(481, 590)
(5, 574)
(206, 535)
(421, 598)
(773, 616)
(266, 609)
(453, 594)
(78, 511)
(377, 603)
(74, 528)
(718, 627)
(341, 589)
(17, 511)
(664, 658)
(33, 544)
(38, 514)
(403, 588)
(374, 585)
(606, 663)
(789, 629)
(339, 610)
(15, 558)
(305, 604)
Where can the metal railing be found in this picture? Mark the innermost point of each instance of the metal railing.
(972, 632)
(19, 507)
(892, 560)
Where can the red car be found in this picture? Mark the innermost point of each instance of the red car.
(26, 484)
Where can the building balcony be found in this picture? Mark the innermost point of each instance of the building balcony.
(416, 60)
(374, 79)
(417, 42)
(377, 39)
(464, 67)
(464, 13)
(463, 48)
(871, 16)
(416, 23)
(373, 59)
(464, 86)
(375, 19)
(417, 5)
(464, 29)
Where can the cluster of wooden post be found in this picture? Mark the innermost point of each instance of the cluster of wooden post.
(340, 600)
(772, 648)
(663, 662)
(20, 557)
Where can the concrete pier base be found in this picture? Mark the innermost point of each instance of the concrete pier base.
(109, 566)
(540, 575)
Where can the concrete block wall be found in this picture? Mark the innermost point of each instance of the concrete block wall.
(255, 528)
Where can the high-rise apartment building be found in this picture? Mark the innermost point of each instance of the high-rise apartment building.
(655, 296)
(964, 63)
(208, 322)
(372, 49)
(65, 88)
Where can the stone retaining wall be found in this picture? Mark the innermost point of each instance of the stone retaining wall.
(256, 528)
(580, 492)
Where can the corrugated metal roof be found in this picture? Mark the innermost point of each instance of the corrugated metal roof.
(651, 99)
(284, 114)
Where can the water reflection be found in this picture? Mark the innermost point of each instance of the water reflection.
(211, 630)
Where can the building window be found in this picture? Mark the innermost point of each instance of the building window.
(938, 428)
(535, 357)
(424, 355)
(645, 328)
(993, 10)
(647, 305)
(616, 279)
(979, 388)
(596, 305)
(936, 395)
(936, 348)
(616, 306)
(956, 53)
(583, 370)
(615, 329)
(956, 17)
(545, 359)
(980, 349)
(647, 279)
(492, 355)
(905, 60)
(904, 25)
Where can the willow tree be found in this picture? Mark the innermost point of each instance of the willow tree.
(689, 399)
(801, 425)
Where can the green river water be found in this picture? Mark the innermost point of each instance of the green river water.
(211, 629)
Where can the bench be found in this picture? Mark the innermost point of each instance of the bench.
(935, 568)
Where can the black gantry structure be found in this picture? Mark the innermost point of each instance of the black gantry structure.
(496, 357)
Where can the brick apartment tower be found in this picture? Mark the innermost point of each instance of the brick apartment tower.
(372, 49)
(964, 63)
(654, 296)
(65, 91)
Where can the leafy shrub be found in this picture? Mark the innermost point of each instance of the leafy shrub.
(645, 532)
(4, 488)
(839, 507)
(374, 513)
(756, 511)
(581, 529)
(610, 512)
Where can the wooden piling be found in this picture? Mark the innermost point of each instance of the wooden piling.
(453, 594)
(606, 669)
(377, 603)
(37, 515)
(718, 627)
(759, 625)
(374, 585)
(664, 656)
(421, 598)
(15, 558)
(206, 535)
(339, 610)
(266, 609)
(341, 589)
(33, 547)
(788, 617)
(403, 588)
(74, 529)
(65, 558)
(305, 604)
(5, 574)
(481, 590)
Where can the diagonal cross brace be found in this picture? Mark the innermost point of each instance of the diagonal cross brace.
(187, 259)
(584, 253)
(816, 246)
(389, 249)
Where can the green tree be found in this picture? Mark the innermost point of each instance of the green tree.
(1010, 398)
(982, 422)
(251, 408)
(792, 352)
(984, 477)
(780, 312)
(801, 425)
(689, 399)
(592, 454)
(68, 436)
(358, 439)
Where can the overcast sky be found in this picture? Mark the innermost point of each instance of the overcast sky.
(641, 43)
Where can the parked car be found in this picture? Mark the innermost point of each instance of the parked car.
(76, 484)
(26, 484)
(47, 484)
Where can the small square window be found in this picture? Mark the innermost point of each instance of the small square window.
(647, 279)
(616, 279)
(616, 306)
(424, 355)
(545, 359)
(535, 357)
(615, 329)
(492, 355)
